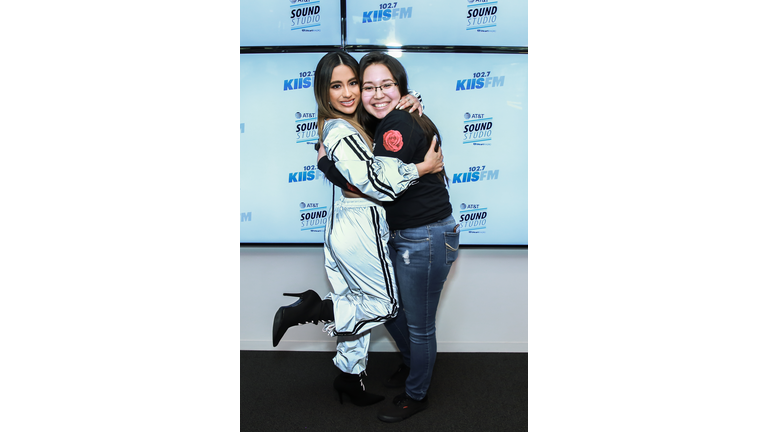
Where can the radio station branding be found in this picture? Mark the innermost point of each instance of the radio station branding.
(245, 217)
(305, 15)
(309, 173)
(388, 11)
(477, 129)
(475, 174)
(481, 15)
(306, 127)
(480, 80)
(313, 217)
(473, 217)
(303, 81)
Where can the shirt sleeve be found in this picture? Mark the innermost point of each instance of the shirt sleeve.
(398, 136)
(383, 179)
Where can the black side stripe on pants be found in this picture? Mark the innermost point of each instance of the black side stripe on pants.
(388, 278)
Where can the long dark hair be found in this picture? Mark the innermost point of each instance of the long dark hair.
(401, 78)
(322, 87)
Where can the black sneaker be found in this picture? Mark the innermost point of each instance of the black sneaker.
(401, 408)
(398, 378)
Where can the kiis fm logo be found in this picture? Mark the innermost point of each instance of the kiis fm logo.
(305, 14)
(481, 14)
(308, 174)
(475, 174)
(386, 12)
(473, 217)
(477, 129)
(312, 217)
(479, 81)
(306, 127)
(303, 81)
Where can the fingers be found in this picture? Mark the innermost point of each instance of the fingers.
(434, 143)
(403, 103)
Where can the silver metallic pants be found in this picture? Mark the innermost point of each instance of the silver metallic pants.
(361, 274)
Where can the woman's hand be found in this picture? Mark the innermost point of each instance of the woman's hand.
(433, 160)
(411, 101)
(320, 152)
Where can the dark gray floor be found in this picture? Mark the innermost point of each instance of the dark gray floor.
(292, 391)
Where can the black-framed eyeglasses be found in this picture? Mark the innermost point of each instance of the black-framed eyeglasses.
(384, 87)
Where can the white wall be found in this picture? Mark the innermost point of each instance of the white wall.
(483, 308)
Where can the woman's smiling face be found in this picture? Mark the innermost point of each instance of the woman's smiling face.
(344, 90)
(376, 100)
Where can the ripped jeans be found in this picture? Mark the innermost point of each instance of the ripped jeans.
(422, 258)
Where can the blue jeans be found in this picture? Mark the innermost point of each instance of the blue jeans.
(422, 258)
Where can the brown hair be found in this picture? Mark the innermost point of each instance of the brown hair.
(401, 78)
(322, 87)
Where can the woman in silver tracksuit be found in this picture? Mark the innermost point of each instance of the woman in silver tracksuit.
(424, 237)
(357, 259)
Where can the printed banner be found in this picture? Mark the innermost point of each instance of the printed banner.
(479, 102)
(290, 22)
(444, 23)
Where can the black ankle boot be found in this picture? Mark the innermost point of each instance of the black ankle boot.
(308, 308)
(352, 386)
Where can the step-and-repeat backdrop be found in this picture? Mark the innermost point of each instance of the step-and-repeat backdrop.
(478, 101)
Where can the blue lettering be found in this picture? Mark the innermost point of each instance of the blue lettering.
(387, 14)
(498, 81)
(493, 175)
(288, 85)
(460, 85)
(456, 178)
(245, 217)
(292, 177)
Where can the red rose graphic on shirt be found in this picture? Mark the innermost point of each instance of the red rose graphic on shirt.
(393, 141)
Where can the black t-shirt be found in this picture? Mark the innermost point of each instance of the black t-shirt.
(399, 135)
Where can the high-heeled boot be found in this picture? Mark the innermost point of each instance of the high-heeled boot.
(352, 385)
(308, 308)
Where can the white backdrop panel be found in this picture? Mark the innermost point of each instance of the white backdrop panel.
(282, 196)
(443, 23)
(290, 22)
(479, 102)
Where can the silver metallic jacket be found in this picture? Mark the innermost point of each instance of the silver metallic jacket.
(381, 178)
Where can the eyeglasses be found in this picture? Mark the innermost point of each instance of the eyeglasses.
(384, 87)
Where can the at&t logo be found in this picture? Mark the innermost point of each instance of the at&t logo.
(477, 129)
(305, 14)
(312, 217)
(473, 217)
(481, 14)
(306, 127)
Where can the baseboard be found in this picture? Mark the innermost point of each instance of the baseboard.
(382, 345)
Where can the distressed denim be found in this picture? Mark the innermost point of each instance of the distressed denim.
(422, 258)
